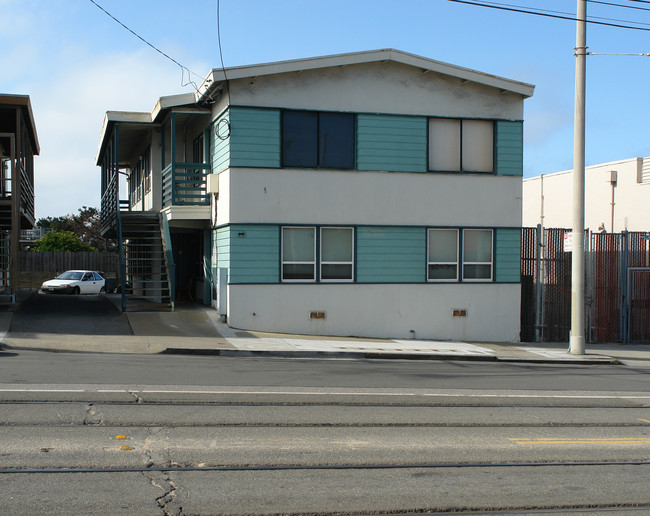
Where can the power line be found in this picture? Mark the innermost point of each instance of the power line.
(538, 10)
(612, 4)
(183, 68)
(549, 15)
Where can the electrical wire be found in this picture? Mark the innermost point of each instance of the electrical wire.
(612, 4)
(572, 15)
(183, 68)
(549, 15)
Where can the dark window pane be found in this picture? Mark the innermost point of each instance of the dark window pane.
(336, 140)
(336, 272)
(299, 139)
(477, 272)
(298, 271)
(442, 271)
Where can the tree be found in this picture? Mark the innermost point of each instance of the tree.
(86, 225)
(62, 241)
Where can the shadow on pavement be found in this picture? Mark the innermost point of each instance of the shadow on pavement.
(74, 315)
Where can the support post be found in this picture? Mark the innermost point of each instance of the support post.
(577, 337)
(539, 247)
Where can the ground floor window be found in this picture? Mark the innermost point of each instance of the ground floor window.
(334, 249)
(446, 245)
(443, 255)
(336, 254)
(477, 254)
(298, 254)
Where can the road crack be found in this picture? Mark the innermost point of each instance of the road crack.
(167, 500)
(138, 398)
(93, 417)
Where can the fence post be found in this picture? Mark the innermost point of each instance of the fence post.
(624, 319)
(538, 283)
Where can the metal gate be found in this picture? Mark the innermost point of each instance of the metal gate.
(5, 280)
(617, 286)
(638, 305)
(604, 314)
(545, 285)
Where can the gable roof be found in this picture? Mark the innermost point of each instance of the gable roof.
(219, 75)
(23, 102)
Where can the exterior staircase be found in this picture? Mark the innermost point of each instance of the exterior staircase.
(146, 267)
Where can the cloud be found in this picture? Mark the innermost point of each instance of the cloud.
(69, 109)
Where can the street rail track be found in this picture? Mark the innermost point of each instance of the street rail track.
(294, 467)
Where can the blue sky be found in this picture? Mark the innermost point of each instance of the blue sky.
(76, 63)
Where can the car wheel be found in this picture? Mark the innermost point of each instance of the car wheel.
(75, 291)
(102, 290)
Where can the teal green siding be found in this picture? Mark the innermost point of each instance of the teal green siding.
(219, 148)
(391, 254)
(222, 241)
(391, 143)
(254, 137)
(250, 252)
(509, 148)
(507, 255)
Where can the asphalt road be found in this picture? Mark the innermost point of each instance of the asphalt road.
(157, 434)
(85, 433)
(90, 368)
(243, 451)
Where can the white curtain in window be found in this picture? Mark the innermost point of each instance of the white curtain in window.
(298, 244)
(444, 144)
(478, 146)
(336, 245)
(477, 245)
(443, 245)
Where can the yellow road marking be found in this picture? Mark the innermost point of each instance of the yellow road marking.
(563, 440)
(644, 420)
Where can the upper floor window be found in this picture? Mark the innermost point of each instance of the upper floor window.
(461, 145)
(317, 140)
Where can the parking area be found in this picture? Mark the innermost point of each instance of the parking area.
(75, 315)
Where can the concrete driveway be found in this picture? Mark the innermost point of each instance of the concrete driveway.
(72, 315)
(95, 323)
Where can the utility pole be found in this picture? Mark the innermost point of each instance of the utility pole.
(577, 338)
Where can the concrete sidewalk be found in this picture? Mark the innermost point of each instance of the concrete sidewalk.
(194, 329)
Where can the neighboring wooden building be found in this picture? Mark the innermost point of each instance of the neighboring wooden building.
(18, 146)
(372, 194)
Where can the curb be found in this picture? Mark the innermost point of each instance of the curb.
(381, 356)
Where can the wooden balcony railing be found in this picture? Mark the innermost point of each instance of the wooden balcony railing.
(184, 184)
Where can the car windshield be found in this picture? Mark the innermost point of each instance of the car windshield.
(70, 275)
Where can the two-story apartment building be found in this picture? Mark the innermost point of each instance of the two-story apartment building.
(18, 146)
(371, 194)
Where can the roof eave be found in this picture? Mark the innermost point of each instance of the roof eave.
(218, 75)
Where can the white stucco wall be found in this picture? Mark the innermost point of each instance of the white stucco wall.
(375, 88)
(553, 193)
(383, 311)
(350, 197)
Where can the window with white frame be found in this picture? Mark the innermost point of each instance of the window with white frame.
(298, 254)
(442, 262)
(336, 254)
(457, 145)
(477, 254)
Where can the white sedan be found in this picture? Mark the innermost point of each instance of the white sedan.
(75, 282)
